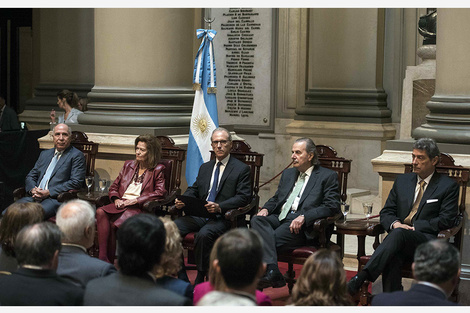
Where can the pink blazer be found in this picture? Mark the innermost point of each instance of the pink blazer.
(153, 186)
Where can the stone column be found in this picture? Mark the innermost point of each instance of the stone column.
(63, 58)
(449, 117)
(143, 68)
(345, 104)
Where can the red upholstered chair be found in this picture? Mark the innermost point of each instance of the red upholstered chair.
(173, 158)
(328, 158)
(242, 151)
(89, 149)
(460, 174)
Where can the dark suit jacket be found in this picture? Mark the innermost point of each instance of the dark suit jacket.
(9, 120)
(69, 172)
(119, 289)
(38, 287)
(79, 267)
(418, 295)
(234, 188)
(320, 197)
(153, 186)
(437, 209)
(176, 285)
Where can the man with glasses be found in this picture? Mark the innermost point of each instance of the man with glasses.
(225, 184)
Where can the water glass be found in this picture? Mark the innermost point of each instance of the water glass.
(345, 210)
(89, 183)
(103, 183)
(367, 209)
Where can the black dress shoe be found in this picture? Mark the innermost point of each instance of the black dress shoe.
(272, 278)
(354, 285)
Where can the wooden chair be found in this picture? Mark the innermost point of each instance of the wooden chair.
(242, 151)
(446, 166)
(89, 150)
(173, 158)
(328, 158)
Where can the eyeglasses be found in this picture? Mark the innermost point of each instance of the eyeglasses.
(222, 142)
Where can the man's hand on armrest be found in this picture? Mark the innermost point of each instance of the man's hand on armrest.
(263, 212)
(398, 224)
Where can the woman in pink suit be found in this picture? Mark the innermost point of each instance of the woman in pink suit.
(139, 181)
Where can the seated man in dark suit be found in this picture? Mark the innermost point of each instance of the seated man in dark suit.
(76, 220)
(239, 260)
(436, 267)
(36, 282)
(8, 118)
(419, 205)
(57, 170)
(305, 193)
(225, 186)
(141, 242)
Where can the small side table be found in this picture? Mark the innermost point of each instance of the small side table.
(358, 228)
(92, 197)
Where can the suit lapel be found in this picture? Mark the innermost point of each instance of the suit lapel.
(65, 156)
(410, 191)
(429, 191)
(147, 177)
(289, 185)
(227, 170)
(127, 179)
(208, 179)
(311, 182)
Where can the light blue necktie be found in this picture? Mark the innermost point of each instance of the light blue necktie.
(50, 169)
(215, 182)
(287, 206)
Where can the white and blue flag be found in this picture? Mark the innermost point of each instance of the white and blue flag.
(204, 117)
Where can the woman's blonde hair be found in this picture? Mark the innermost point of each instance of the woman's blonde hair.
(322, 281)
(170, 262)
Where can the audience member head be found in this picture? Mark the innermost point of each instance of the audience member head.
(215, 278)
(240, 258)
(67, 97)
(437, 262)
(17, 216)
(310, 149)
(170, 262)
(141, 242)
(322, 281)
(425, 157)
(148, 150)
(221, 142)
(83, 104)
(76, 220)
(62, 136)
(38, 245)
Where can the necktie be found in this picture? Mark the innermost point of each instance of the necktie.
(50, 169)
(414, 209)
(215, 182)
(287, 206)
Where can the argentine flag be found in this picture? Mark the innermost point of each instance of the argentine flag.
(204, 117)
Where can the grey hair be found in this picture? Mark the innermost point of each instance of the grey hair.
(36, 244)
(69, 129)
(221, 129)
(73, 218)
(436, 261)
(428, 145)
(310, 148)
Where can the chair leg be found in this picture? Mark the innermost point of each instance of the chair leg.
(365, 296)
(290, 276)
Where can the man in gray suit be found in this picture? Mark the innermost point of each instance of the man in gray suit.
(305, 193)
(57, 170)
(76, 220)
(141, 242)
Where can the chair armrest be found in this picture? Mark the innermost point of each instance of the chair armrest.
(67, 196)
(19, 193)
(448, 233)
(152, 206)
(102, 201)
(375, 230)
(321, 223)
(233, 214)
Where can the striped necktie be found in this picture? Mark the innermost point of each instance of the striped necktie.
(287, 206)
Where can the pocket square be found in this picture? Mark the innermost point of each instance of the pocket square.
(431, 200)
